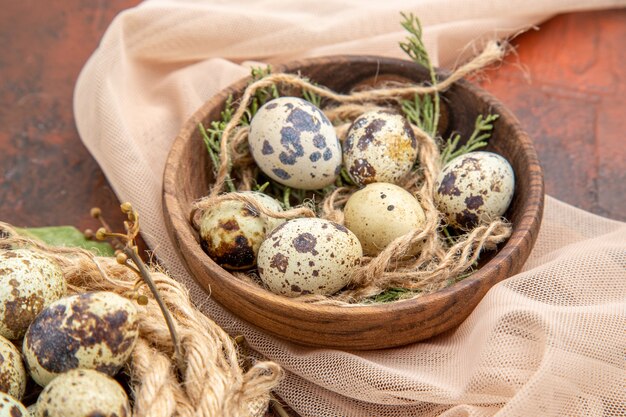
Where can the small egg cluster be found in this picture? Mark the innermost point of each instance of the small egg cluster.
(295, 144)
(70, 345)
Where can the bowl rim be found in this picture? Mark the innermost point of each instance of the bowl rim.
(524, 233)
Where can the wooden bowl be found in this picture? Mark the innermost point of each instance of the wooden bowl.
(187, 177)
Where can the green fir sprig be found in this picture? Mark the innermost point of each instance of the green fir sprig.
(344, 180)
(261, 96)
(483, 128)
(313, 98)
(213, 136)
(423, 111)
(392, 294)
(261, 187)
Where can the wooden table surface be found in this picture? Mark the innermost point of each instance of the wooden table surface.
(566, 84)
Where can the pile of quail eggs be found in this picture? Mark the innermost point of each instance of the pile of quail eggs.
(72, 346)
(295, 144)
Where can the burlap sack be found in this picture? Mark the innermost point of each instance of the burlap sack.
(550, 341)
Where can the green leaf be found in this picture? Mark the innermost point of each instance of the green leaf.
(414, 47)
(391, 294)
(67, 236)
(483, 127)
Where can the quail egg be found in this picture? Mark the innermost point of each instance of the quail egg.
(308, 256)
(96, 330)
(83, 393)
(381, 213)
(12, 373)
(29, 281)
(473, 188)
(11, 407)
(379, 147)
(294, 143)
(232, 232)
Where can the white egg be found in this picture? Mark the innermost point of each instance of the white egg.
(11, 407)
(308, 256)
(381, 213)
(83, 393)
(473, 188)
(295, 144)
(12, 373)
(29, 281)
(379, 147)
(232, 232)
(96, 330)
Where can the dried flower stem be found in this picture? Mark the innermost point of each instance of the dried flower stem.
(126, 244)
(145, 275)
(278, 407)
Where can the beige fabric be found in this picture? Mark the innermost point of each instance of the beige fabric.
(550, 341)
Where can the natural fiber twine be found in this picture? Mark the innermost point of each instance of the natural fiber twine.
(212, 382)
(439, 262)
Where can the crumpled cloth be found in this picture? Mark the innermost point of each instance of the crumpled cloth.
(550, 341)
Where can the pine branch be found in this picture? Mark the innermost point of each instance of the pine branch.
(213, 136)
(483, 128)
(312, 97)
(391, 294)
(261, 96)
(413, 46)
(421, 112)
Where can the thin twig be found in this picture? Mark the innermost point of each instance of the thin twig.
(125, 244)
(278, 407)
(145, 275)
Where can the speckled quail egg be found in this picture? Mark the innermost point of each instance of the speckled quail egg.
(83, 393)
(380, 213)
(379, 147)
(11, 407)
(232, 232)
(12, 373)
(308, 256)
(294, 143)
(96, 330)
(474, 188)
(29, 281)
(32, 410)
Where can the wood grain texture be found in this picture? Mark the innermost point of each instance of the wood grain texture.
(566, 83)
(362, 327)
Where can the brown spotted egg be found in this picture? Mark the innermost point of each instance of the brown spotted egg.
(29, 281)
(381, 213)
(308, 256)
(294, 143)
(83, 393)
(12, 373)
(95, 330)
(11, 407)
(232, 232)
(379, 147)
(473, 188)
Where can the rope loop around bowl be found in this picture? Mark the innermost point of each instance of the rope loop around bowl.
(440, 260)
